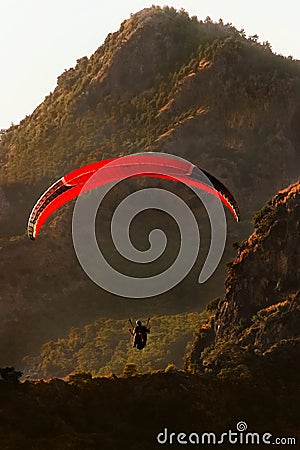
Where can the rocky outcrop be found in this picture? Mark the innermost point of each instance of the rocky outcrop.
(259, 319)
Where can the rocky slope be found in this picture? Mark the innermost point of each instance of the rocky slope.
(256, 326)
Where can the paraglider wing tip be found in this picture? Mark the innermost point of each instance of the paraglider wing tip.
(30, 231)
(237, 213)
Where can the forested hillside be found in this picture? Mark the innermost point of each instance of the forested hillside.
(165, 82)
(104, 347)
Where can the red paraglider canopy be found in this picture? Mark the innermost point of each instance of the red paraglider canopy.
(154, 165)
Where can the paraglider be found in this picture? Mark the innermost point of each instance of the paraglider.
(140, 333)
(154, 165)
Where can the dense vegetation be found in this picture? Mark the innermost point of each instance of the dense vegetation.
(104, 347)
(128, 412)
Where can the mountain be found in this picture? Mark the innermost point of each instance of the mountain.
(163, 82)
(256, 326)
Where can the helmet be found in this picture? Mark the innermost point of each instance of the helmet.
(138, 323)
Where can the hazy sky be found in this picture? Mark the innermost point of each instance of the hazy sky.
(41, 38)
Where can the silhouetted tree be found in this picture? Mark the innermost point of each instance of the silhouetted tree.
(10, 375)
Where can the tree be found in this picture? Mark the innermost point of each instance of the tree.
(254, 38)
(129, 370)
(10, 375)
